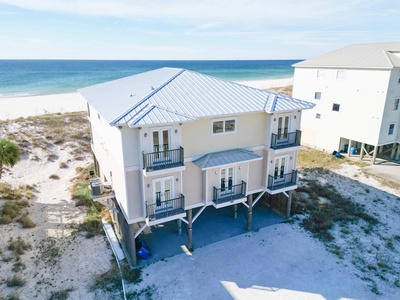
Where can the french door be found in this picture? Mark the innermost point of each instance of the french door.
(161, 144)
(162, 193)
(283, 128)
(227, 180)
(280, 168)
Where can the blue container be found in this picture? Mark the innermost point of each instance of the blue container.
(143, 252)
(346, 148)
(353, 150)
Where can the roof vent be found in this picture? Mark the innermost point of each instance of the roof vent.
(152, 88)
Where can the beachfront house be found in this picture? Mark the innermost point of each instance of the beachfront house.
(171, 142)
(356, 90)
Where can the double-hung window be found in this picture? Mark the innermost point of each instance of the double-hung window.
(335, 107)
(317, 95)
(224, 126)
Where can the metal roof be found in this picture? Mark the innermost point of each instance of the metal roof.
(225, 158)
(363, 55)
(170, 95)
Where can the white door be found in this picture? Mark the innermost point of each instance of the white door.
(283, 128)
(280, 168)
(227, 180)
(161, 144)
(163, 193)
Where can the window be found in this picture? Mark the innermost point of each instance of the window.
(396, 104)
(224, 126)
(318, 116)
(340, 74)
(336, 107)
(391, 129)
(320, 73)
(398, 82)
(317, 95)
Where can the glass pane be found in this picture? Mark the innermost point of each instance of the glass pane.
(229, 125)
(156, 141)
(165, 139)
(218, 126)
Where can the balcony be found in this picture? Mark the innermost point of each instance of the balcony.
(165, 209)
(282, 181)
(229, 194)
(285, 140)
(161, 160)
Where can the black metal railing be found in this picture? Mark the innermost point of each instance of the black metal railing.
(164, 209)
(163, 159)
(282, 181)
(229, 193)
(285, 140)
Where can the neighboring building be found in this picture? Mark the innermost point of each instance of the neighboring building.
(356, 90)
(171, 140)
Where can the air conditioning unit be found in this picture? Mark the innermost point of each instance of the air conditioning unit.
(96, 186)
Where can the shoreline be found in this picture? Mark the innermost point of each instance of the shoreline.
(26, 106)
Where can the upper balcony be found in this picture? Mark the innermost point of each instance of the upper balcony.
(285, 140)
(230, 194)
(161, 160)
(281, 183)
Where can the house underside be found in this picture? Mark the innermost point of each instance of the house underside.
(389, 152)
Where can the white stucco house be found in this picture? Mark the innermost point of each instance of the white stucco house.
(356, 90)
(171, 141)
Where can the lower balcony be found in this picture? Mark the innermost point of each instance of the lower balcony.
(230, 194)
(163, 211)
(282, 182)
(160, 160)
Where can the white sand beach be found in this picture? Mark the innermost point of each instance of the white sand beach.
(17, 107)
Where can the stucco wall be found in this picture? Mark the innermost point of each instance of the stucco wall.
(361, 95)
(198, 139)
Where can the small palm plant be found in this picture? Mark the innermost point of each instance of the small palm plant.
(9, 154)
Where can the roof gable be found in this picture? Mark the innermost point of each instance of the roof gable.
(170, 95)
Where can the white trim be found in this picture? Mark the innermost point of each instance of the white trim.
(133, 168)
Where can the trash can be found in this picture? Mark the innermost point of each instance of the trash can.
(353, 150)
(346, 148)
(141, 249)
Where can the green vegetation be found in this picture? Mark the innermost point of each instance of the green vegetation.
(111, 279)
(10, 210)
(9, 154)
(324, 206)
(15, 280)
(18, 246)
(61, 295)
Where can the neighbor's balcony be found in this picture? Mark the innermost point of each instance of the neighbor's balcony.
(229, 193)
(160, 160)
(285, 140)
(165, 209)
(282, 181)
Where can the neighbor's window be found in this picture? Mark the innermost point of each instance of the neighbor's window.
(224, 126)
(396, 104)
(340, 74)
(391, 129)
(336, 107)
(320, 73)
(318, 116)
(317, 95)
(398, 82)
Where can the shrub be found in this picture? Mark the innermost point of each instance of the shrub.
(19, 246)
(26, 222)
(54, 176)
(15, 280)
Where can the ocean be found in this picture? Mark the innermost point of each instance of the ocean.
(43, 77)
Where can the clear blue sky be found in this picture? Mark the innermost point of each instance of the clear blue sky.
(202, 29)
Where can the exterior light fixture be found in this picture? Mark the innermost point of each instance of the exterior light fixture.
(145, 135)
